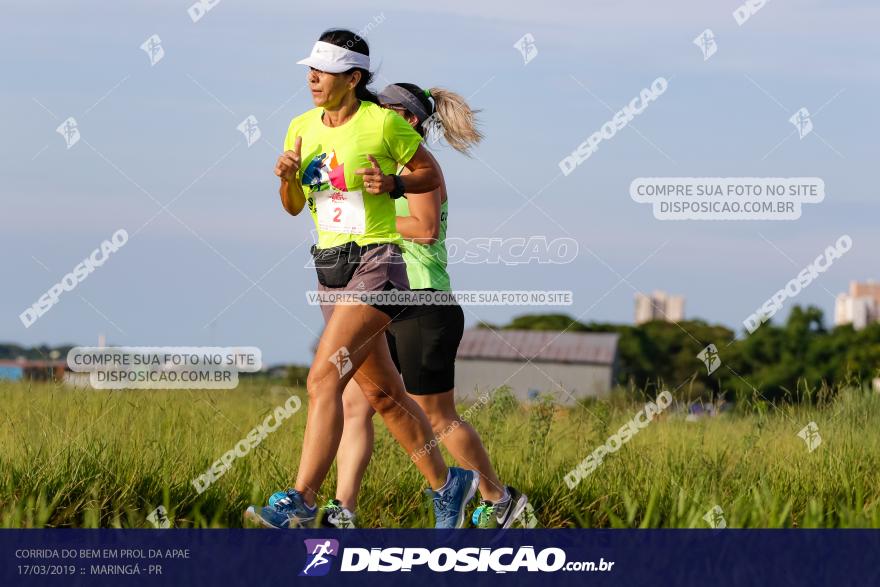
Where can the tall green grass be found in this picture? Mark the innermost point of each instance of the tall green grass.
(106, 459)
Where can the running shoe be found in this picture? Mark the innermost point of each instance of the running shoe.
(451, 500)
(333, 515)
(277, 496)
(500, 515)
(285, 512)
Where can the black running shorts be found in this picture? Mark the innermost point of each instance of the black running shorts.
(424, 349)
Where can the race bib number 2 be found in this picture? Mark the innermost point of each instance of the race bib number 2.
(341, 211)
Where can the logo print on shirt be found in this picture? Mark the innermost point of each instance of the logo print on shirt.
(324, 171)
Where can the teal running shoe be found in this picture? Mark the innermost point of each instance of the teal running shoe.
(500, 515)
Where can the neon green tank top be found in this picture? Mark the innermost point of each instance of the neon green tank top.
(426, 264)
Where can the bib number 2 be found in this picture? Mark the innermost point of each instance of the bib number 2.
(341, 211)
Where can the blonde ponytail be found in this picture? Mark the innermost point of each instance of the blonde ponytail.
(456, 120)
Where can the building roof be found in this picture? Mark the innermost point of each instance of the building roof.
(32, 363)
(539, 345)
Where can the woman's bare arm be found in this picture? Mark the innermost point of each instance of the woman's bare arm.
(424, 173)
(288, 165)
(422, 226)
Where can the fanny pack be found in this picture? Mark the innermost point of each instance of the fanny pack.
(335, 266)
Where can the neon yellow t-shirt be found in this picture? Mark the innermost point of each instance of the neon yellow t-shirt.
(342, 210)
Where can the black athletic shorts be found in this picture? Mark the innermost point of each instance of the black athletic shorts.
(424, 349)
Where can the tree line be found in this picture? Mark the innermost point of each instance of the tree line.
(798, 360)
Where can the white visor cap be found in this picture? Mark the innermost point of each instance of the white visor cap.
(333, 59)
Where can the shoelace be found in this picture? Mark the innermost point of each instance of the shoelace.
(333, 508)
(443, 498)
(486, 509)
(284, 503)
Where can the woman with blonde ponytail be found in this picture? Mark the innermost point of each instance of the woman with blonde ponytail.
(424, 347)
(456, 121)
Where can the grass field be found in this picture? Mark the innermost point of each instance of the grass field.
(107, 459)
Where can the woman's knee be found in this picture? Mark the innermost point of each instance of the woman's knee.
(356, 405)
(322, 383)
(380, 399)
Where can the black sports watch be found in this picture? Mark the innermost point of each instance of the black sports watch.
(399, 190)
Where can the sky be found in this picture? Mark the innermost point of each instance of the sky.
(213, 259)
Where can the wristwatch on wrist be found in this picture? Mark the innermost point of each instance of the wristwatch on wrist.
(398, 191)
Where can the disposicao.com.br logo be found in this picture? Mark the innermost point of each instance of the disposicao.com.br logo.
(318, 553)
(445, 559)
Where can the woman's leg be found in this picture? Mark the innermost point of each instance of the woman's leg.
(426, 347)
(354, 343)
(461, 440)
(356, 446)
(381, 384)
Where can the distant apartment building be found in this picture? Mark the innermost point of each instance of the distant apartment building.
(859, 307)
(659, 306)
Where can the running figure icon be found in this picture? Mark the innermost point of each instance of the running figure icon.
(319, 552)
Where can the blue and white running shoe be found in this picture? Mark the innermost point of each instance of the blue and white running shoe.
(450, 503)
(276, 496)
(285, 511)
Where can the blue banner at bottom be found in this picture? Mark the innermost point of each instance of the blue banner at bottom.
(403, 557)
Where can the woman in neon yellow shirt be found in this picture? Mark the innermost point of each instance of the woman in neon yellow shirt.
(424, 347)
(340, 160)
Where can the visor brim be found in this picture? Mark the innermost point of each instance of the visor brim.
(325, 66)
